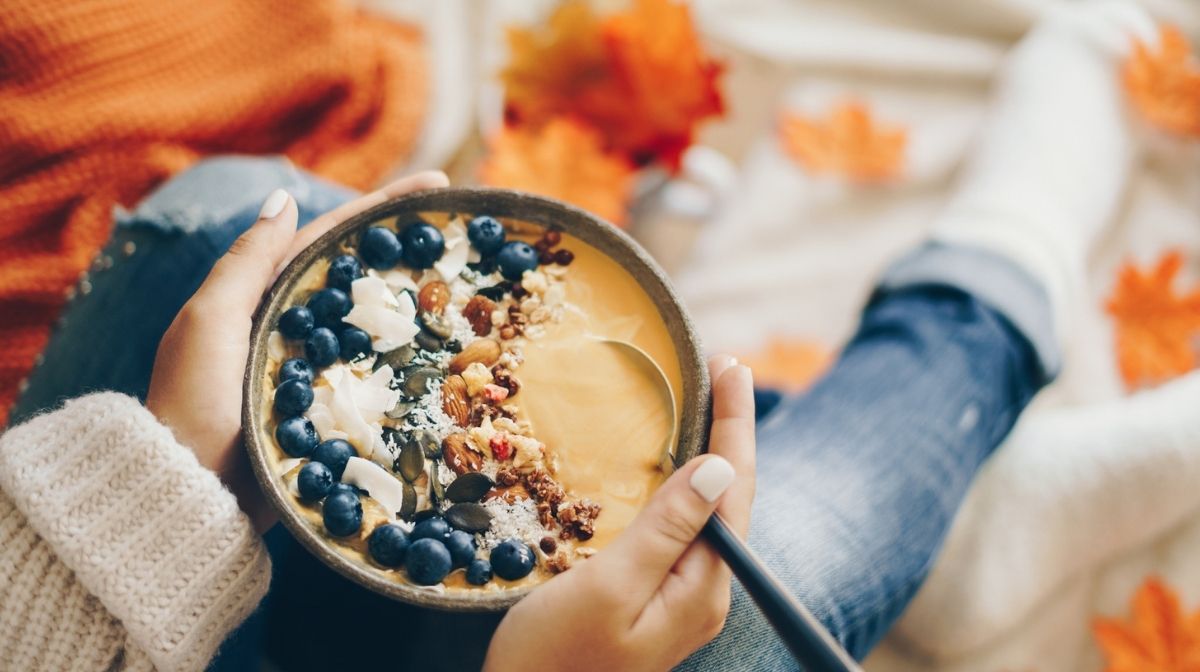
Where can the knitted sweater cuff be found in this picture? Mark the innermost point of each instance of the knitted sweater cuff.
(152, 534)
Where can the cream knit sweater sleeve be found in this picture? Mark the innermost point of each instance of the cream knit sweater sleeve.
(117, 549)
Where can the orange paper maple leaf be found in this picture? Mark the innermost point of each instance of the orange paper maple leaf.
(640, 77)
(850, 143)
(563, 159)
(787, 364)
(1164, 85)
(1156, 326)
(1159, 638)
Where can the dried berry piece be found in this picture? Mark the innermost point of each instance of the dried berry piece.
(501, 448)
(564, 257)
(494, 394)
(548, 545)
(459, 456)
(546, 258)
(504, 378)
(434, 297)
(552, 236)
(478, 312)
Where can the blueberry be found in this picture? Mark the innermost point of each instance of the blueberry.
(431, 528)
(461, 546)
(296, 322)
(479, 572)
(388, 544)
(512, 560)
(380, 248)
(428, 562)
(297, 436)
(314, 482)
(342, 487)
(486, 234)
(293, 397)
(342, 513)
(423, 244)
(322, 347)
(353, 342)
(334, 453)
(296, 369)
(515, 258)
(343, 271)
(329, 306)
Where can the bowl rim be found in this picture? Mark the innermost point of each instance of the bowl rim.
(504, 203)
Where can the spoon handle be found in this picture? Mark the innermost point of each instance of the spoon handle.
(810, 644)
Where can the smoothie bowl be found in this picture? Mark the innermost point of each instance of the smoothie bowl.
(435, 406)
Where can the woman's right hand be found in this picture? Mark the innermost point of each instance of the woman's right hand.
(656, 593)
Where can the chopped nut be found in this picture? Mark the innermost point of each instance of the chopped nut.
(544, 488)
(531, 304)
(459, 456)
(499, 317)
(578, 519)
(558, 563)
(485, 351)
(585, 551)
(528, 450)
(507, 476)
(478, 312)
(456, 399)
(476, 377)
(545, 515)
(434, 297)
(508, 332)
(535, 282)
(541, 314)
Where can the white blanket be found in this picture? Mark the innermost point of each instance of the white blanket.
(1095, 490)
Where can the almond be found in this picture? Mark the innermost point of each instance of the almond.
(484, 351)
(478, 312)
(459, 456)
(434, 297)
(456, 402)
(510, 494)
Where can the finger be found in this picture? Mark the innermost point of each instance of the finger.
(732, 437)
(239, 278)
(641, 556)
(429, 179)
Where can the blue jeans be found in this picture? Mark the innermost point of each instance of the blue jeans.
(859, 477)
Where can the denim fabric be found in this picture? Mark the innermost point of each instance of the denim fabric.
(859, 477)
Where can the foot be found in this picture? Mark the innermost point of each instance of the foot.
(1052, 159)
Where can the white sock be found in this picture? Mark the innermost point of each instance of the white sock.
(1070, 489)
(1051, 162)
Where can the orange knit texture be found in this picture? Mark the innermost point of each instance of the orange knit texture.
(101, 100)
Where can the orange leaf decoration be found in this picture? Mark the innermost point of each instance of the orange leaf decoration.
(849, 143)
(640, 77)
(1156, 326)
(787, 364)
(565, 160)
(1159, 638)
(1165, 85)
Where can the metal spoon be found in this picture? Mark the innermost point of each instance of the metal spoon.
(811, 645)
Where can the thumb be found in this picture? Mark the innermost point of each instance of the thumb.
(239, 278)
(642, 556)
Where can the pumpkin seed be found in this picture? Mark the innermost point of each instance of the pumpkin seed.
(495, 292)
(429, 443)
(428, 341)
(416, 384)
(437, 491)
(436, 324)
(397, 358)
(401, 409)
(409, 505)
(470, 487)
(411, 461)
(469, 517)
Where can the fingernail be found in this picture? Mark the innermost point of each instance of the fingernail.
(733, 361)
(274, 204)
(712, 478)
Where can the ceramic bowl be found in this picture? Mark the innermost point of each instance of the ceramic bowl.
(694, 421)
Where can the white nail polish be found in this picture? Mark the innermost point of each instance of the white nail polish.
(712, 478)
(274, 204)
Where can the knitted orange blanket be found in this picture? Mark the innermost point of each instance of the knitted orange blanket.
(101, 100)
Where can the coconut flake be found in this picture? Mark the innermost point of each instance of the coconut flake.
(458, 250)
(382, 486)
(276, 348)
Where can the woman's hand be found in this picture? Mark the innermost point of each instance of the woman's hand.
(656, 593)
(196, 387)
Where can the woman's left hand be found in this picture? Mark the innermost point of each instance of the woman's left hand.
(196, 386)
